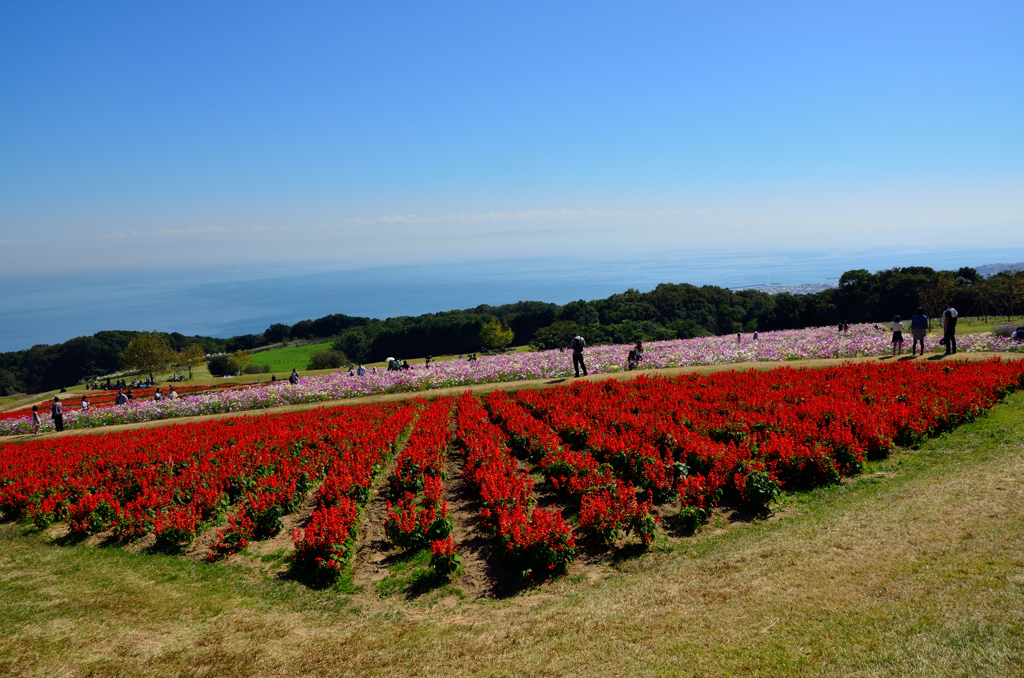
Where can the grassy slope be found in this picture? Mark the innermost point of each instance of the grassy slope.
(914, 568)
(284, 359)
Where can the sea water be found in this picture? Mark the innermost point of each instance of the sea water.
(233, 299)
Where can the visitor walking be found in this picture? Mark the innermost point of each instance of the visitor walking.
(36, 422)
(57, 412)
(294, 379)
(577, 345)
(949, 329)
(919, 328)
(897, 336)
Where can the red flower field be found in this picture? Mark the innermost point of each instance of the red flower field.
(622, 457)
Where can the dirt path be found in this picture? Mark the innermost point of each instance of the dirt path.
(267, 555)
(371, 555)
(505, 386)
(203, 543)
(483, 574)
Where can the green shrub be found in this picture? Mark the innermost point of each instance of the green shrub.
(256, 369)
(221, 365)
(327, 360)
(759, 490)
(690, 518)
(1004, 330)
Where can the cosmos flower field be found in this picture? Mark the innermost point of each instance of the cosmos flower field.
(786, 345)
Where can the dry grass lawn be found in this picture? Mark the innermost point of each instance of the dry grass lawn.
(914, 568)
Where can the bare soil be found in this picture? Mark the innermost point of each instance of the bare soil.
(267, 555)
(373, 552)
(483, 574)
(200, 548)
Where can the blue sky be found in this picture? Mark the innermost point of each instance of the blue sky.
(386, 132)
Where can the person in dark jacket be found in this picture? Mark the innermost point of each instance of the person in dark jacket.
(949, 329)
(57, 412)
(919, 329)
(577, 345)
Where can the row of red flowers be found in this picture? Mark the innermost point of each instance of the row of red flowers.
(741, 436)
(106, 398)
(613, 451)
(538, 541)
(608, 505)
(326, 542)
(173, 481)
(417, 513)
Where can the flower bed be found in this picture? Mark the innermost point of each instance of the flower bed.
(861, 340)
(618, 454)
(538, 541)
(417, 514)
(616, 447)
(174, 481)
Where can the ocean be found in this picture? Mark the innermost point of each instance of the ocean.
(236, 299)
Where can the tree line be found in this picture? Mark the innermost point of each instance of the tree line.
(669, 311)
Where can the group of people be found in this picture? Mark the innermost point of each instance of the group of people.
(919, 329)
(398, 365)
(56, 414)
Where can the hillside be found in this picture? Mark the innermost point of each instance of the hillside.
(669, 311)
(910, 568)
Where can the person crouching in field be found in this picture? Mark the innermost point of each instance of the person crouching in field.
(635, 357)
(919, 328)
(897, 336)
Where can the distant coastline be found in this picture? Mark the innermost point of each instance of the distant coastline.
(231, 300)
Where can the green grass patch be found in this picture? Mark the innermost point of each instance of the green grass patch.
(284, 359)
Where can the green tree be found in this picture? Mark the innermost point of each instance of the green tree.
(240, 359)
(277, 333)
(8, 383)
(148, 352)
(191, 356)
(326, 360)
(496, 334)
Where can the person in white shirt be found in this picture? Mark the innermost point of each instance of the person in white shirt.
(897, 336)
